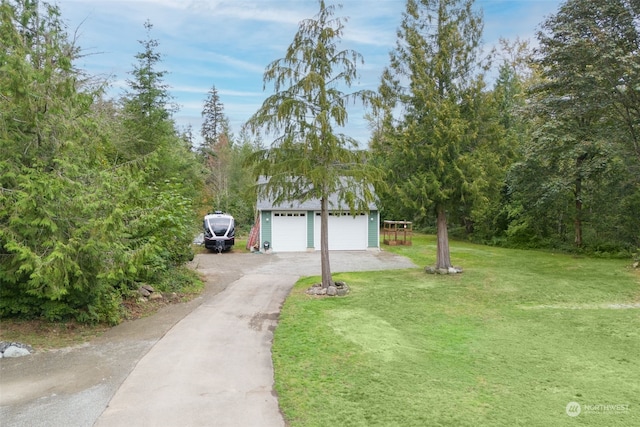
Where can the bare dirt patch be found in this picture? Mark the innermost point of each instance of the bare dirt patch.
(601, 306)
(45, 335)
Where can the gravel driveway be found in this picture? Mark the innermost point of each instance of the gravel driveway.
(206, 362)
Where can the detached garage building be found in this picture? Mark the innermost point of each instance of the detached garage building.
(296, 228)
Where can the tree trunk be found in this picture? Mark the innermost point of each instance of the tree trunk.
(578, 195)
(443, 258)
(324, 243)
(578, 219)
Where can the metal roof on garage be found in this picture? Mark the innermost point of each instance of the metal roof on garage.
(312, 204)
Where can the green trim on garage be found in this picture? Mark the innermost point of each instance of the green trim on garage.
(310, 225)
(374, 230)
(266, 227)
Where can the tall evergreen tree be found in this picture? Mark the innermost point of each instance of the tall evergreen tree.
(170, 177)
(216, 147)
(213, 123)
(309, 158)
(147, 103)
(504, 130)
(38, 81)
(432, 80)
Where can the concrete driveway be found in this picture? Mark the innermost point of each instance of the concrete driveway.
(204, 363)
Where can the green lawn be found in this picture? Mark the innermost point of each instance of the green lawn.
(511, 341)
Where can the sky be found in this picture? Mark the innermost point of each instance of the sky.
(229, 43)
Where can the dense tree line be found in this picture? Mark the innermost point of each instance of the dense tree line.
(96, 196)
(546, 157)
(578, 178)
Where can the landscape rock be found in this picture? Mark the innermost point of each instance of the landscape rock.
(147, 291)
(451, 270)
(199, 239)
(14, 349)
(342, 289)
(336, 289)
(148, 288)
(155, 296)
(16, 352)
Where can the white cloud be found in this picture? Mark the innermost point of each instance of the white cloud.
(228, 43)
(228, 60)
(272, 12)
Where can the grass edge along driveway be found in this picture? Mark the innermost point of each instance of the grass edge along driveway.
(519, 338)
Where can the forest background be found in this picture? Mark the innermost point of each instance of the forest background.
(100, 195)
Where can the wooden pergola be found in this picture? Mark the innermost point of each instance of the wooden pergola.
(396, 233)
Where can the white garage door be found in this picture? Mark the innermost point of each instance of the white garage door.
(289, 231)
(346, 233)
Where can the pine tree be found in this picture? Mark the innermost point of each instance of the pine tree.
(216, 147)
(430, 147)
(309, 158)
(147, 103)
(213, 124)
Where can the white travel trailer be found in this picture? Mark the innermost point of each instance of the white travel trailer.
(219, 231)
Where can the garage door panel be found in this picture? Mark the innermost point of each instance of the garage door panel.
(345, 232)
(289, 231)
